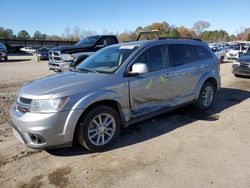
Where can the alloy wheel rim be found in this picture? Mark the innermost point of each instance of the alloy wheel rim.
(101, 129)
(207, 96)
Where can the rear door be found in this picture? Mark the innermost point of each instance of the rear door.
(189, 62)
(151, 91)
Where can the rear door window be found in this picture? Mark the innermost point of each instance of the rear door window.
(180, 54)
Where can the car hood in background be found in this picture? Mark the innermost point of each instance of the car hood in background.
(245, 59)
(72, 49)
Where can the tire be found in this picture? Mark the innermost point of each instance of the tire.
(6, 58)
(236, 75)
(206, 96)
(222, 59)
(94, 137)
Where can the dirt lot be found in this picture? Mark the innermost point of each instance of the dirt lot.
(184, 148)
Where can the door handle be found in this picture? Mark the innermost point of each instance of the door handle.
(167, 75)
(198, 68)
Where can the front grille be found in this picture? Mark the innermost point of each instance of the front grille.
(54, 56)
(246, 65)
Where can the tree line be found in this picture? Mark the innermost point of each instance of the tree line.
(199, 30)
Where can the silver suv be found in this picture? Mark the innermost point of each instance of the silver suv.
(117, 86)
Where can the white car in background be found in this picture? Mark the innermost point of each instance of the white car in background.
(29, 50)
(237, 51)
(220, 53)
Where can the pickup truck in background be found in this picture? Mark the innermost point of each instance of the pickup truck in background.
(63, 58)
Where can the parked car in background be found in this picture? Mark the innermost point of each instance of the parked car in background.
(221, 54)
(42, 53)
(29, 50)
(62, 58)
(241, 67)
(117, 86)
(3, 52)
(237, 51)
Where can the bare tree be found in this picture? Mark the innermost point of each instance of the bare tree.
(200, 26)
(67, 31)
(76, 33)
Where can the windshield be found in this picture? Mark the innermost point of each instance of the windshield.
(107, 60)
(88, 41)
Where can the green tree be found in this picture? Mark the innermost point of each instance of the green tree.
(23, 35)
(39, 35)
(6, 33)
(54, 37)
(173, 33)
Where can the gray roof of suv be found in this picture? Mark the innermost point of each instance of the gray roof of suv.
(164, 41)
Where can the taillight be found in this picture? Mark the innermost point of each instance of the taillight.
(219, 62)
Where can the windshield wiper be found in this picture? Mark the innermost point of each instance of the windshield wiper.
(86, 70)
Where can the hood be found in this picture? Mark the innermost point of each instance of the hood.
(62, 84)
(72, 49)
(245, 59)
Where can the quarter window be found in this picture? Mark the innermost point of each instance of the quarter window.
(202, 53)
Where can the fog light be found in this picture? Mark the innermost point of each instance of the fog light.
(36, 139)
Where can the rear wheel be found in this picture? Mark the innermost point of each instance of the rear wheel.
(236, 75)
(206, 96)
(222, 59)
(98, 128)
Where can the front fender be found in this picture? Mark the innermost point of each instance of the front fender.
(85, 102)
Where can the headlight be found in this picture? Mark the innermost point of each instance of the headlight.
(67, 57)
(47, 106)
(236, 63)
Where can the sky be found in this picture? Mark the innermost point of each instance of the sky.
(53, 16)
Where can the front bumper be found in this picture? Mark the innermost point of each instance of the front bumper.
(59, 66)
(50, 128)
(3, 54)
(241, 70)
(233, 55)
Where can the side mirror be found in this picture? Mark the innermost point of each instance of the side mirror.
(138, 68)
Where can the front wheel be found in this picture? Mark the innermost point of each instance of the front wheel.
(98, 128)
(6, 58)
(206, 96)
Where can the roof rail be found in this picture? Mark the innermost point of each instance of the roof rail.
(164, 38)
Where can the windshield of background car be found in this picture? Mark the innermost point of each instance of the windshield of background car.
(88, 41)
(108, 59)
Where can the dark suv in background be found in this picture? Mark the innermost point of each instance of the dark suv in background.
(3, 52)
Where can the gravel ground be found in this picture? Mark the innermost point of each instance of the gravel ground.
(183, 148)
